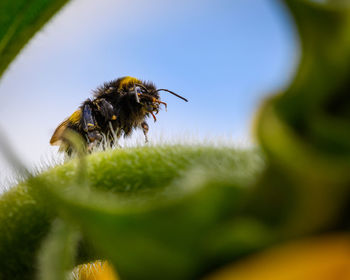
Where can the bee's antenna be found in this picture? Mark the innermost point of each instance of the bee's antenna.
(179, 96)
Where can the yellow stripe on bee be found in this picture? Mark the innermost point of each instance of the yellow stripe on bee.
(75, 117)
(128, 81)
(90, 124)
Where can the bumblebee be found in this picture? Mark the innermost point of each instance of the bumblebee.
(117, 108)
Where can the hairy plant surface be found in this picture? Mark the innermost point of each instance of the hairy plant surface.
(190, 188)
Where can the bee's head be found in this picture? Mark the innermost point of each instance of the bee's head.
(148, 96)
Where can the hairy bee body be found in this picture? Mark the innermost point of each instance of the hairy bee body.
(118, 107)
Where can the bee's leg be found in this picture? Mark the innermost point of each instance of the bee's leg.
(89, 124)
(145, 129)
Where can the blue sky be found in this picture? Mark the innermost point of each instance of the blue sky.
(223, 55)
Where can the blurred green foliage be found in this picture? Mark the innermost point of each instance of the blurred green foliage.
(19, 21)
(305, 129)
(179, 212)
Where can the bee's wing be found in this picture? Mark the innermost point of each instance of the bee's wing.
(56, 138)
(57, 135)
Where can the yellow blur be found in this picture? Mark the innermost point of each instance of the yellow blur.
(98, 270)
(321, 258)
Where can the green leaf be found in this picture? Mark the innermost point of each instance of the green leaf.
(19, 21)
(58, 252)
(305, 130)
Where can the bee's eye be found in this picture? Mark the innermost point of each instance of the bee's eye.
(138, 90)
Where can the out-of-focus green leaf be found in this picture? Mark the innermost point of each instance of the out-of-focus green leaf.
(305, 126)
(19, 21)
(58, 252)
(305, 130)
